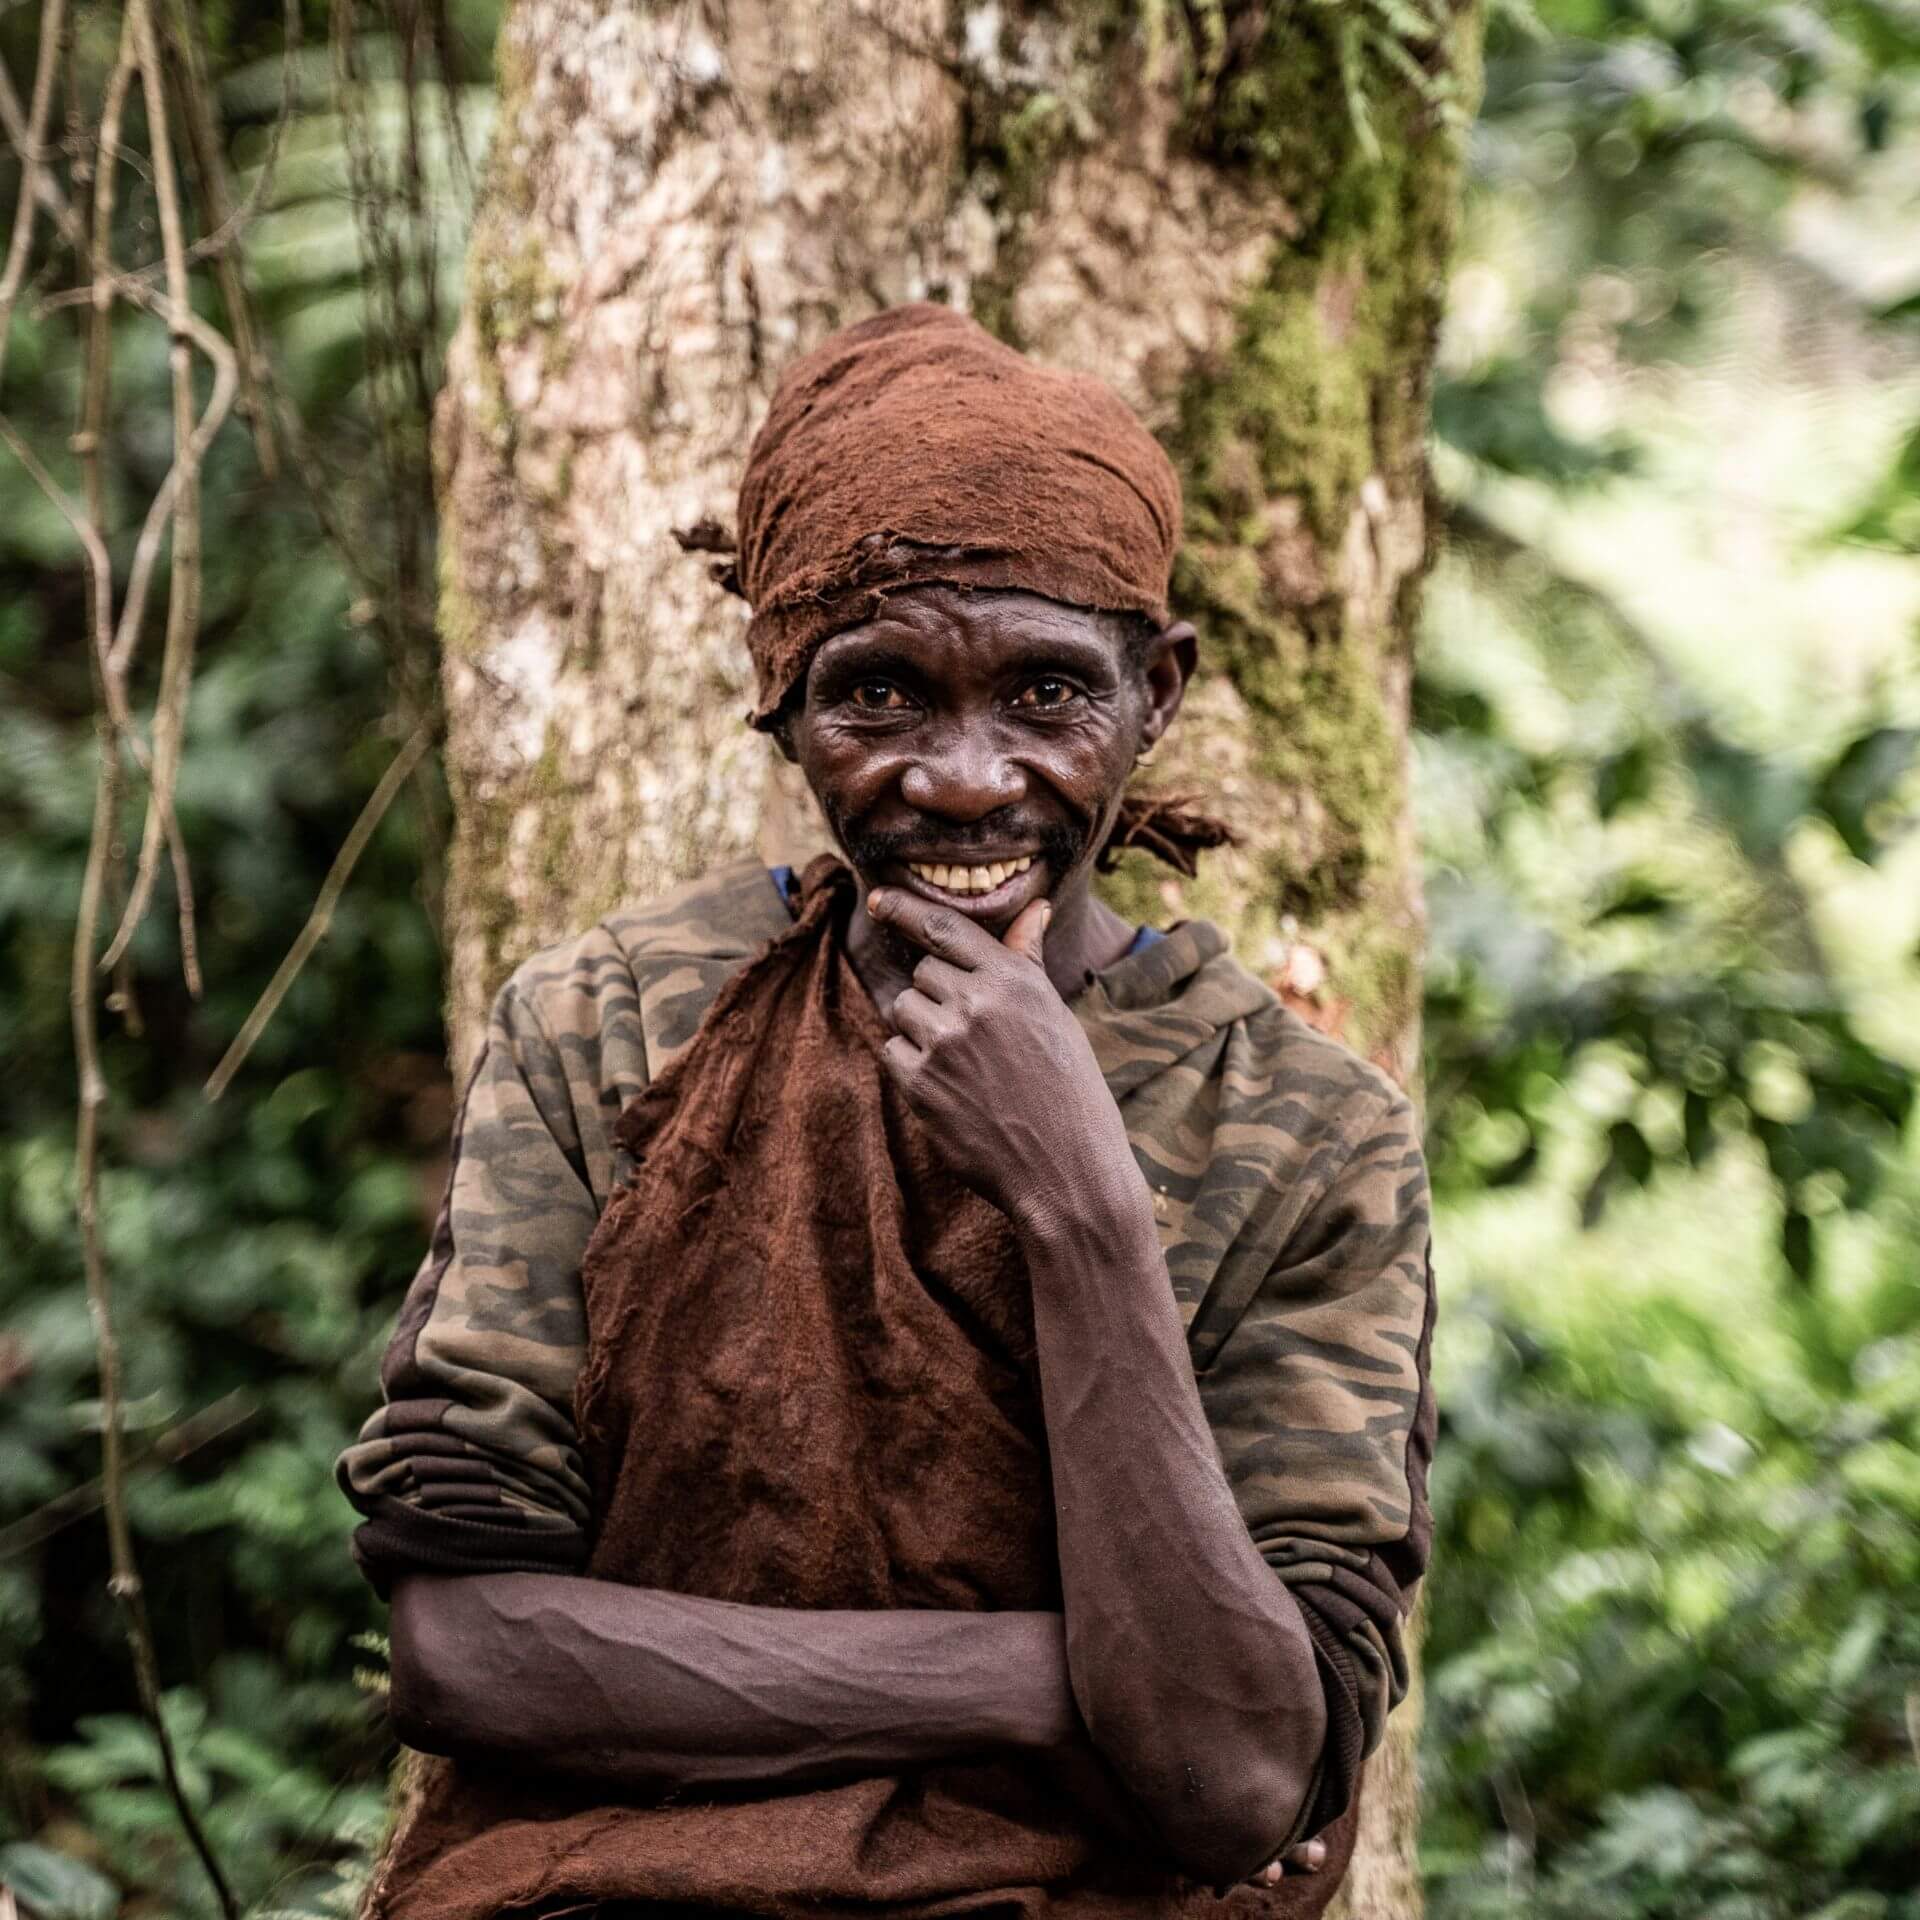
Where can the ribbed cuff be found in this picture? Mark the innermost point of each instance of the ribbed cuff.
(397, 1539)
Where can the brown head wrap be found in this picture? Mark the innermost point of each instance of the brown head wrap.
(914, 449)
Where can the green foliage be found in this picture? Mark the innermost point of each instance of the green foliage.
(1674, 138)
(1673, 1666)
(257, 1244)
(55, 1885)
(1673, 1663)
(262, 1807)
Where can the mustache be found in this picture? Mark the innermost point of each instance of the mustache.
(1060, 844)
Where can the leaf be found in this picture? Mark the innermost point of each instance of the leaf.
(55, 1886)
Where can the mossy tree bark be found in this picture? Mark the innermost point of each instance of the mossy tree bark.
(681, 197)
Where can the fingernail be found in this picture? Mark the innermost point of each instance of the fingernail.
(1316, 1853)
(1272, 1874)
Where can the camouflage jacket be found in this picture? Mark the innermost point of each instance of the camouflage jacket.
(1288, 1185)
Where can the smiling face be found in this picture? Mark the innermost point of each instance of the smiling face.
(973, 746)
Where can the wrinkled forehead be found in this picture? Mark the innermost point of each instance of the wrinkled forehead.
(943, 626)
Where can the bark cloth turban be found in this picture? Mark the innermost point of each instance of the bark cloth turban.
(914, 449)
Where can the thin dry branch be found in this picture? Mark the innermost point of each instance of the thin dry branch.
(226, 223)
(113, 730)
(114, 644)
(321, 918)
(125, 1584)
(30, 143)
(183, 585)
(90, 444)
(34, 173)
(405, 624)
(38, 182)
(99, 567)
(133, 604)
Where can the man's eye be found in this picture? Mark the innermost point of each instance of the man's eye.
(877, 696)
(1045, 693)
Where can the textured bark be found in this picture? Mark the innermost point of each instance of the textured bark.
(681, 197)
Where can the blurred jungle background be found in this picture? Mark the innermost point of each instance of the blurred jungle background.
(1667, 701)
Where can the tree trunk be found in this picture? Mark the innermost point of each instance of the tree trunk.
(1240, 216)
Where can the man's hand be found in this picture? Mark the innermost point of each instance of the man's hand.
(991, 1057)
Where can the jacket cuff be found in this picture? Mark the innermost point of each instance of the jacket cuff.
(398, 1539)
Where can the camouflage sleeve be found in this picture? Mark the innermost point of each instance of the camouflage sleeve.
(471, 1463)
(1321, 1401)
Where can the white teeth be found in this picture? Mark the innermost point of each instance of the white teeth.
(980, 879)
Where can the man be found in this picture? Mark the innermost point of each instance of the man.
(917, 1402)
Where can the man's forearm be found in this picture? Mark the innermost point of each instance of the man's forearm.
(1189, 1660)
(646, 1689)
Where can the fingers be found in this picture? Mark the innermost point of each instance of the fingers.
(1309, 1857)
(951, 936)
(1029, 930)
(940, 980)
(917, 1017)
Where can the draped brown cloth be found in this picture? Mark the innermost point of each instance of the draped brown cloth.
(811, 1383)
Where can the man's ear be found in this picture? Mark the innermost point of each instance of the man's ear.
(1169, 666)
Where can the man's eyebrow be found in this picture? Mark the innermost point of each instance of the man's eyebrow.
(1063, 649)
(1029, 652)
(869, 655)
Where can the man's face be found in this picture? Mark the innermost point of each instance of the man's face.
(972, 747)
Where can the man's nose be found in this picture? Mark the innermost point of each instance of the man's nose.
(962, 777)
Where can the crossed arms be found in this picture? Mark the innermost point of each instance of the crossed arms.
(1194, 1659)
(1187, 1664)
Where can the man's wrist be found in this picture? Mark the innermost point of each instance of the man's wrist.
(1034, 1708)
(1104, 1215)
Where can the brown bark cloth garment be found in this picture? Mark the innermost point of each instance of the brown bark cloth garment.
(810, 1382)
